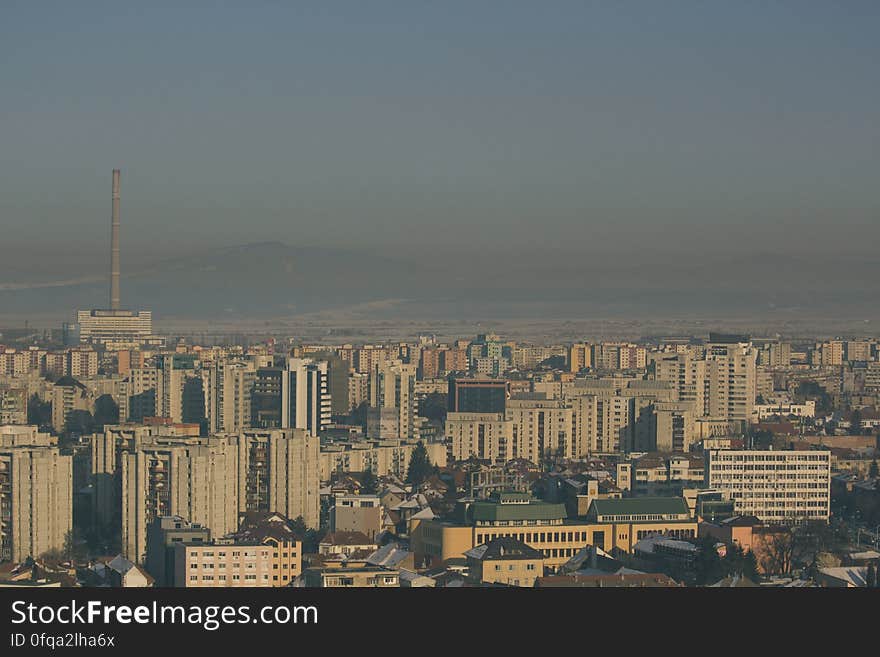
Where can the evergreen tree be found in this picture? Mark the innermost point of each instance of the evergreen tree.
(369, 483)
(106, 412)
(39, 412)
(420, 467)
(750, 566)
(708, 566)
(871, 577)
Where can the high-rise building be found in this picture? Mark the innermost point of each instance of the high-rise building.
(115, 328)
(483, 435)
(541, 428)
(193, 478)
(392, 386)
(227, 387)
(278, 470)
(36, 495)
(294, 396)
(307, 398)
(174, 372)
(721, 385)
(580, 357)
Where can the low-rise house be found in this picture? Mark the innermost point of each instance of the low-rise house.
(358, 577)
(345, 543)
(122, 573)
(505, 561)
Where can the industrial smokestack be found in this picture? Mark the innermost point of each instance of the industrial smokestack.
(114, 246)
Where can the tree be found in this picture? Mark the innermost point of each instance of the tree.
(553, 363)
(433, 407)
(779, 551)
(39, 412)
(420, 467)
(52, 558)
(811, 538)
(369, 483)
(358, 416)
(313, 539)
(79, 422)
(106, 412)
(750, 566)
(74, 549)
(708, 566)
(298, 525)
(812, 390)
(855, 421)
(310, 537)
(762, 439)
(871, 577)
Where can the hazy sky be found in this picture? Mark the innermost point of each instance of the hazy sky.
(623, 127)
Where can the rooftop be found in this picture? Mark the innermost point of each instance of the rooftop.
(633, 506)
(504, 548)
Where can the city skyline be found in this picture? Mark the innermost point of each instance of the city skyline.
(433, 295)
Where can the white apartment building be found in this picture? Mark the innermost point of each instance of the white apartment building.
(774, 485)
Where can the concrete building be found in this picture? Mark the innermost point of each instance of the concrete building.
(13, 405)
(392, 386)
(264, 552)
(227, 389)
(68, 395)
(381, 457)
(195, 479)
(486, 436)
(541, 428)
(355, 577)
(278, 471)
(659, 474)
(295, 396)
(357, 513)
(675, 427)
(775, 486)
(721, 385)
(163, 534)
(116, 329)
(36, 497)
(580, 357)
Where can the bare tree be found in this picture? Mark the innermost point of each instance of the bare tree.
(778, 552)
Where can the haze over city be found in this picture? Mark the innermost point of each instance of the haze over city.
(623, 160)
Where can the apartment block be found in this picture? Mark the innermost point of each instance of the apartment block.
(774, 486)
(36, 498)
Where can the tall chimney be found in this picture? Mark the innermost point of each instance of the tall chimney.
(114, 246)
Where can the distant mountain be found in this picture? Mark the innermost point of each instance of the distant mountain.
(265, 279)
(275, 280)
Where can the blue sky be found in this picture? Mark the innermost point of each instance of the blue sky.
(585, 127)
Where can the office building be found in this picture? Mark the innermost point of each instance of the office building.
(773, 485)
